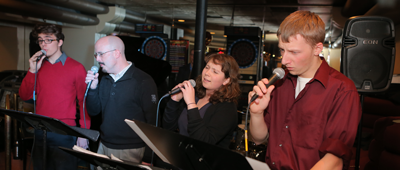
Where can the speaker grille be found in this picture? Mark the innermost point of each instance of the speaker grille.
(370, 29)
(368, 66)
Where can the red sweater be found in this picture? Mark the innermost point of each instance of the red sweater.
(58, 86)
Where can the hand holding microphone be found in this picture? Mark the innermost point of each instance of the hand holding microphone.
(175, 92)
(263, 85)
(92, 78)
(36, 60)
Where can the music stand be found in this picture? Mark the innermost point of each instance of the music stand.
(48, 124)
(106, 163)
(190, 154)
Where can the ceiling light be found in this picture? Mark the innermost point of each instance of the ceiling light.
(212, 32)
(181, 20)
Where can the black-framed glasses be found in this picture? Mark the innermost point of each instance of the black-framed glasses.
(101, 53)
(46, 41)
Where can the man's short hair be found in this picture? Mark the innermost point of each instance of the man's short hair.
(308, 24)
(48, 29)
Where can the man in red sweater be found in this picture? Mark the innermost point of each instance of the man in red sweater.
(60, 83)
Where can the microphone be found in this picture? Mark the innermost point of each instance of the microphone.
(43, 54)
(95, 69)
(177, 90)
(277, 74)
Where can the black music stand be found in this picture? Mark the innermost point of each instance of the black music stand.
(108, 164)
(48, 124)
(190, 154)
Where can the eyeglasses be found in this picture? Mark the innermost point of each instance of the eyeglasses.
(101, 53)
(46, 41)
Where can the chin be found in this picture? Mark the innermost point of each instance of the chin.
(104, 70)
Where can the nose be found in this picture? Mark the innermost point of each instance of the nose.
(285, 60)
(206, 72)
(98, 58)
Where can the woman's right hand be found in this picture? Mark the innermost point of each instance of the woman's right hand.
(177, 96)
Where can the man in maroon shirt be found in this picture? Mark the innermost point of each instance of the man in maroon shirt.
(309, 117)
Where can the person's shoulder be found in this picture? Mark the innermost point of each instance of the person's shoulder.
(338, 77)
(140, 75)
(72, 61)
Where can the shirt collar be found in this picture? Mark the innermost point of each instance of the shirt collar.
(62, 58)
(121, 73)
(321, 75)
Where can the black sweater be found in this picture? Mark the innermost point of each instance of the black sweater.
(216, 127)
(134, 96)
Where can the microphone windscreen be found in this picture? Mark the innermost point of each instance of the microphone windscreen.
(192, 82)
(279, 72)
(44, 52)
(95, 69)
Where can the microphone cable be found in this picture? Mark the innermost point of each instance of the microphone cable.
(158, 110)
(34, 90)
(246, 146)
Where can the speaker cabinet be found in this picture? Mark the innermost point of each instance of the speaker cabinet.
(368, 53)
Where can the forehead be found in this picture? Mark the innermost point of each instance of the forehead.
(44, 35)
(294, 41)
(214, 65)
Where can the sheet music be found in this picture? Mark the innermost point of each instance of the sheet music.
(77, 148)
(255, 164)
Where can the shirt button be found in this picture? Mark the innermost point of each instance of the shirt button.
(114, 85)
(273, 163)
(113, 93)
(287, 127)
(280, 145)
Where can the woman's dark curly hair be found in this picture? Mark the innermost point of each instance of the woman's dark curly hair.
(48, 29)
(229, 92)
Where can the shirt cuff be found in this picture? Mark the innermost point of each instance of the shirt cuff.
(337, 148)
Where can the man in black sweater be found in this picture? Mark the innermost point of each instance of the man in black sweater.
(126, 93)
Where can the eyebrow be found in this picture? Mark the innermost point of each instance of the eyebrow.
(213, 68)
(46, 36)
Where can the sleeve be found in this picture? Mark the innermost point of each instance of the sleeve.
(149, 100)
(341, 129)
(27, 85)
(171, 114)
(223, 119)
(80, 87)
(93, 105)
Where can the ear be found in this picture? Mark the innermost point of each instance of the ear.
(117, 53)
(318, 48)
(60, 43)
(226, 81)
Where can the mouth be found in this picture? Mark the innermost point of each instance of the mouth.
(205, 80)
(101, 64)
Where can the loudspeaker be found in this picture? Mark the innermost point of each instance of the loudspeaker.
(368, 52)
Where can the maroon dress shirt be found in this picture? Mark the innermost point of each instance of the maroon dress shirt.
(322, 119)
